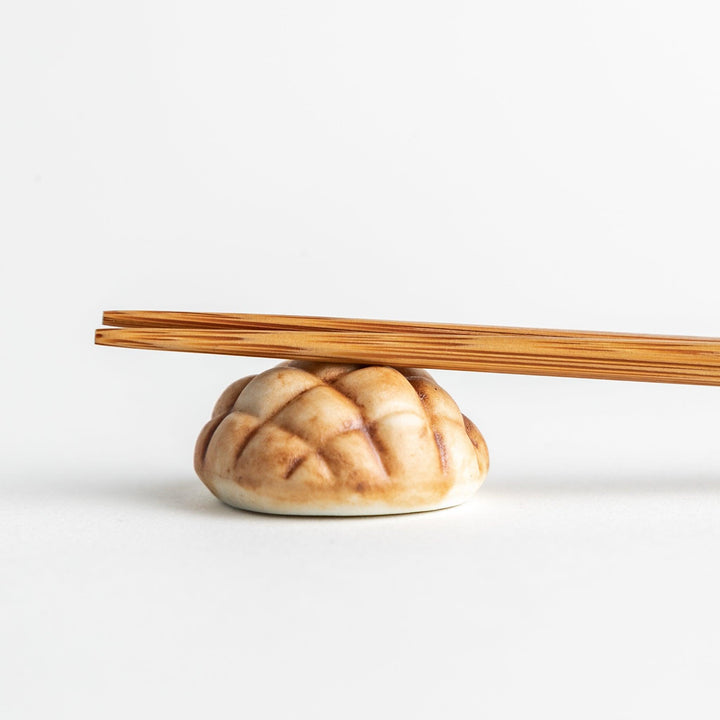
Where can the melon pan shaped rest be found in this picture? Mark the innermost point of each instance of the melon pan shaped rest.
(309, 438)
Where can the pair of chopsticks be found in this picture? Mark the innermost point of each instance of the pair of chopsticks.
(524, 351)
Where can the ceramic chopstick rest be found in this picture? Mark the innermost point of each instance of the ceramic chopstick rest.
(308, 438)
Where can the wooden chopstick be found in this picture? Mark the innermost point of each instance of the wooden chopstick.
(248, 321)
(559, 353)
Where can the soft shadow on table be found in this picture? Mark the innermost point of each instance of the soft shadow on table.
(620, 484)
(171, 492)
(179, 493)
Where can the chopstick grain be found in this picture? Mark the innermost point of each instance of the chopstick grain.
(591, 355)
(248, 321)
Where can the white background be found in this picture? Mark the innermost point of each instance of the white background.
(551, 164)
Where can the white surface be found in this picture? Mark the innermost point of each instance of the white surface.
(552, 164)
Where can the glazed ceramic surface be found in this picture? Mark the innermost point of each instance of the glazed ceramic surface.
(309, 438)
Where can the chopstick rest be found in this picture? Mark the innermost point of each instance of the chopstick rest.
(308, 438)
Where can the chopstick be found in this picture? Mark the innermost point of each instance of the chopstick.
(616, 356)
(274, 323)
